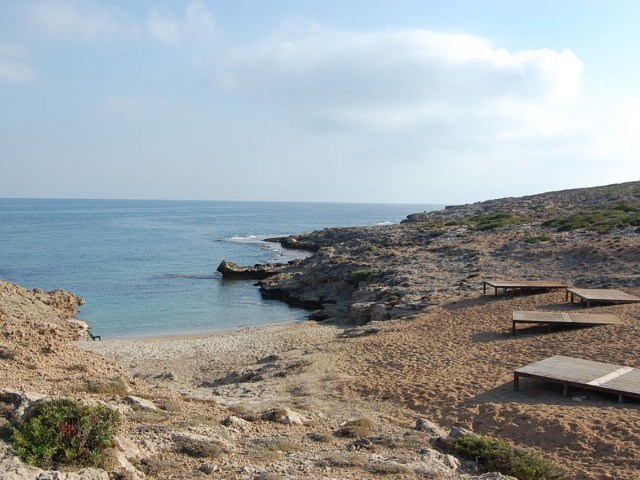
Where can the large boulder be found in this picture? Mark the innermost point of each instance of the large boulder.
(232, 270)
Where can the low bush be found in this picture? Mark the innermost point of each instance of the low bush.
(500, 456)
(489, 221)
(600, 220)
(116, 386)
(66, 432)
(360, 276)
(360, 427)
(199, 448)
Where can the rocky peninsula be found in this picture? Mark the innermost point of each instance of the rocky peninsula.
(403, 354)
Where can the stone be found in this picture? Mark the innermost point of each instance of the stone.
(235, 422)
(430, 428)
(140, 403)
(284, 415)
(360, 313)
(229, 269)
(23, 402)
(208, 468)
(379, 312)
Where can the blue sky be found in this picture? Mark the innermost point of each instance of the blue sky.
(357, 101)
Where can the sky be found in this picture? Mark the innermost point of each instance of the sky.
(385, 101)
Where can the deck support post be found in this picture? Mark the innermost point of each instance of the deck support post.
(565, 390)
(516, 382)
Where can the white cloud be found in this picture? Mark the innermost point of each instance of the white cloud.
(84, 19)
(196, 23)
(14, 63)
(404, 79)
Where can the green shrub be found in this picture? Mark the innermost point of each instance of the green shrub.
(490, 221)
(362, 276)
(500, 456)
(66, 432)
(600, 219)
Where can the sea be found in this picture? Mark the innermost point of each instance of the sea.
(147, 268)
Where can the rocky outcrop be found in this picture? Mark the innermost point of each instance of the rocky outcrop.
(230, 270)
(384, 272)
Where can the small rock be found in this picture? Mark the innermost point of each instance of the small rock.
(235, 422)
(208, 468)
(433, 430)
(284, 415)
(140, 403)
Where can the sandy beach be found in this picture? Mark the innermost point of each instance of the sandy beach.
(453, 365)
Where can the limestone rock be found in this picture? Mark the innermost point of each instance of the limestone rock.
(258, 272)
(433, 430)
(23, 402)
(140, 403)
(284, 415)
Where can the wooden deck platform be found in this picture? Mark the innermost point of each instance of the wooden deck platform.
(563, 318)
(585, 374)
(603, 295)
(521, 285)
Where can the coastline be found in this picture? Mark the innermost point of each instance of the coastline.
(447, 356)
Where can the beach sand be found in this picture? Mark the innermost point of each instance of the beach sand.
(453, 365)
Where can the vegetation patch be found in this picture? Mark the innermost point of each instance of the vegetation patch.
(388, 468)
(598, 219)
(116, 386)
(344, 460)
(66, 432)
(500, 456)
(199, 448)
(158, 464)
(360, 427)
(489, 221)
(279, 445)
(360, 276)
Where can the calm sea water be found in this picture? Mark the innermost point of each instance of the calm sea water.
(148, 267)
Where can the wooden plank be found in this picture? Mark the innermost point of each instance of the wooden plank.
(586, 374)
(542, 317)
(520, 284)
(524, 284)
(605, 295)
(610, 376)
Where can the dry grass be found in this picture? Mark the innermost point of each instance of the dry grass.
(344, 460)
(115, 386)
(361, 427)
(197, 448)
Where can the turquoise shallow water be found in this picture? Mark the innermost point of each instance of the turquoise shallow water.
(148, 267)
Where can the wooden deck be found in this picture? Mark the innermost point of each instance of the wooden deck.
(603, 295)
(584, 374)
(521, 285)
(563, 318)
